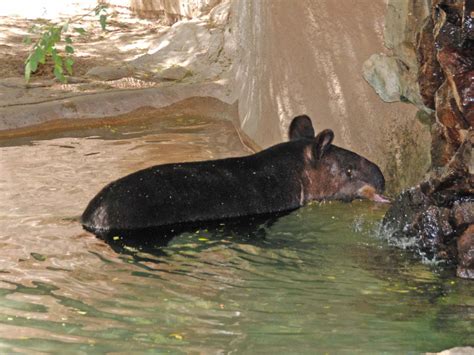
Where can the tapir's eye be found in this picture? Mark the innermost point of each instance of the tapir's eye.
(349, 172)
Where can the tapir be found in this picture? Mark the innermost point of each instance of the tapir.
(280, 178)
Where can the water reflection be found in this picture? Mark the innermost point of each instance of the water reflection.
(314, 280)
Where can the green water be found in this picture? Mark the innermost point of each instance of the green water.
(319, 280)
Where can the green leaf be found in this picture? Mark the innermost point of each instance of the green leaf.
(35, 58)
(68, 64)
(44, 40)
(103, 21)
(41, 56)
(69, 49)
(33, 63)
(58, 61)
(68, 39)
(58, 73)
(59, 67)
(80, 30)
(27, 71)
(38, 256)
(65, 27)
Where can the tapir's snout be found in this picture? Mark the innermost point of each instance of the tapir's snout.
(374, 187)
(371, 193)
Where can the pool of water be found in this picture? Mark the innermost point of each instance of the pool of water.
(318, 280)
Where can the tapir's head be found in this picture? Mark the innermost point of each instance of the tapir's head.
(332, 172)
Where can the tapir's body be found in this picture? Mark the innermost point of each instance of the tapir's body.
(280, 178)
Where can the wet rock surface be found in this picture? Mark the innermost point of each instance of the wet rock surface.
(445, 52)
(436, 218)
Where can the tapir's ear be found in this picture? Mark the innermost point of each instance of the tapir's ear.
(323, 141)
(301, 127)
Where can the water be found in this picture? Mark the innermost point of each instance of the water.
(316, 280)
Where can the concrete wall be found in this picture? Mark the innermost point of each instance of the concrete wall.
(306, 56)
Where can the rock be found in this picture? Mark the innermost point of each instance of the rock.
(76, 80)
(434, 230)
(395, 77)
(13, 82)
(107, 73)
(465, 246)
(402, 22)
(432, 217)
(430, 76)
(444, 144)
(446, 77)
(392, 79)
(460, 350)
(433, 69)
(459, 70)
(383, 74)
(463, 214)
(175, 72)
(219, 15)
(188, 47)
(404, 211)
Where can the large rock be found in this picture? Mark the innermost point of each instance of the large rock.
(107, 73)
(391, 79)
(384, 74)
(435, 218)
(446, 56)
(465, 244)
(430, 75)
(189, 49)
(403, 19)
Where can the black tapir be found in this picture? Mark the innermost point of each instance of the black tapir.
(280, 178)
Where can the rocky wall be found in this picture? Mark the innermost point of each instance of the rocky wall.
(437, 216)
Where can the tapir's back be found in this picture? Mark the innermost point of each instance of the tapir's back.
(197, 191)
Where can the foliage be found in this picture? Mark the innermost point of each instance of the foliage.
(47, 45)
